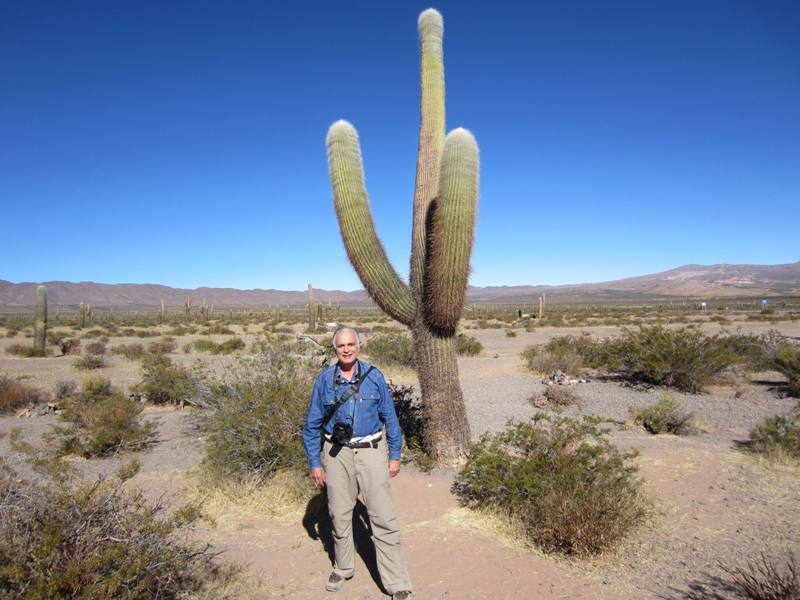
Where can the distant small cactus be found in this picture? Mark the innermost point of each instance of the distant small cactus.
(40, 325)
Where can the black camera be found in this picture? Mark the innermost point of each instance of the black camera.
(342, 432)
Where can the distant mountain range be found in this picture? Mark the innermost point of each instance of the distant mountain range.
(689, 281)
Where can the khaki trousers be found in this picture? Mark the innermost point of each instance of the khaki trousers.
(349, 471)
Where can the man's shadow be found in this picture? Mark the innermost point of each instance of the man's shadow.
(318, 525)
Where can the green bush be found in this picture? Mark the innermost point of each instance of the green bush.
(90, 362)
(130, 351)
(389, 349)
(543, 360)
(164, 382)
(227, 347)
(103, 422)
(787, 361)
(665, 416)
(467, 345)
(777, 436)
(560, 480)
(408, 407)
(255, 421)
(95, 541)
(26, 351)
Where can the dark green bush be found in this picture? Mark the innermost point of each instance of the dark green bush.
(559, 479)
(467, 345)
(408, 407)
(95, 541)
(133, 351)
(89, 362)
(665, 416)
(103, 422)
(255, 422)
(227, 347)
(777, 436)
(389, 349)
(787, 361)
(164, 382)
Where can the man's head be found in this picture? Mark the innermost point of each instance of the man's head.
(346, 345)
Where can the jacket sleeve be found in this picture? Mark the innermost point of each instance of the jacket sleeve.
(311, 432)
(394, 435)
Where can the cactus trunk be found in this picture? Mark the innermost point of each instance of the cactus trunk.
(40, 326)
(312, 313)
(443, 221)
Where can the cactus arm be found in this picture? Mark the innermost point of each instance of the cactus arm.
(451, 222)
(364, 249)
(431, 137)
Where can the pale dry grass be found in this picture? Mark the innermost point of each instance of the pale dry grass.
(284, 496)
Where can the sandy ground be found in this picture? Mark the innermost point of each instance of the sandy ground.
(711, 504)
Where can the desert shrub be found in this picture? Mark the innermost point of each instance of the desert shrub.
(227, 347)
(765, 580)
(95, 541)
(133, 351)
(164, 382)
(96, 348)
(26, 351)
(66, 389)
(255, 422)
(408, 407)
(540, 359)
(561, 395)
(684, 359)
(15, 395)
(70, 346)
(559, 480)
(89, 362)
(777, 437)
(180, 330)
(94, 333)
(511, 333)
(787, 361)
(665, 416)
(55, 337)
(103, 422)
(467, 345)
(217, 329)
(164, 346)
(389, 349)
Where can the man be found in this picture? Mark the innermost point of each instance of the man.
(346, 452)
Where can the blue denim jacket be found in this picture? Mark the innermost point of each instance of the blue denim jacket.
(366, 412)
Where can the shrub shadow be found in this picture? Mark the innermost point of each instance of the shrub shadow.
(318, 525)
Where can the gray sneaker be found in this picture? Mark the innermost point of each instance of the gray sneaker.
(404, 595)
(335, 582)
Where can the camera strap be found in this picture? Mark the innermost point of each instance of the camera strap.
(348, 393)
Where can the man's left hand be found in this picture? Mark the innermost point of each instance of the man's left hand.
(394, 467)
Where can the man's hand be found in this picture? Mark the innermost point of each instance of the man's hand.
(318, 475)
(394, 467)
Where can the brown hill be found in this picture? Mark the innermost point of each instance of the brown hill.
(689, 281)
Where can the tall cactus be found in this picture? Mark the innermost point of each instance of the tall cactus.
(445, 200)
(312, 312)
(40, 325)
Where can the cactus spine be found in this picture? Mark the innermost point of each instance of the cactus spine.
(445, 201)
(40, 324)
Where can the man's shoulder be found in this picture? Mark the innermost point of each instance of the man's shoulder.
(373, 370)
(327, 373)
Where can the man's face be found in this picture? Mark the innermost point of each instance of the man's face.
(346, 349)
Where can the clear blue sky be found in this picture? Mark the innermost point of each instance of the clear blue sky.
(182, 143)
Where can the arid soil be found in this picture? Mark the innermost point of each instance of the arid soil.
(711, 504)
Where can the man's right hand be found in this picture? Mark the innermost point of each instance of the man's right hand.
(318, 475)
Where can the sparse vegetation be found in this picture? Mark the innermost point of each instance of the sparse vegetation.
(164, 382)
(15, 395)
(467, 345)
(777, 437)
(387, 349)
(787, 361)
(134, 351)
(227, 347)
(559, 479)
(103, 422)
(409, 412)
(95, 541)
(254, 426)
(665, 416)
(90, 362)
